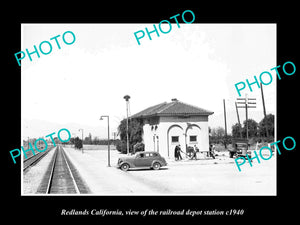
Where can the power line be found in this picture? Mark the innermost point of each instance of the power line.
(246, 103)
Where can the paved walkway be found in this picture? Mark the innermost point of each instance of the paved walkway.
(104, 180)
(218, 176)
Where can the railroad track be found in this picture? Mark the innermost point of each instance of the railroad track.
(34, 159)
(62, 177)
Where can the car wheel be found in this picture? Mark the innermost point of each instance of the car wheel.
(156, 166)
(125, 166)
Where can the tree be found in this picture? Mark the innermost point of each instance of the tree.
(220, 132)
(78, 143)
(135, 132)
(56, 140)
(217, 134)
(252, 128)
(236, 130)
(96, 141)
(256, 131)
(88, 140)
(139, 147)
(121, 146)
(266, 123)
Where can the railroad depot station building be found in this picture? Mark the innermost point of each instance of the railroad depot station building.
(169, 124)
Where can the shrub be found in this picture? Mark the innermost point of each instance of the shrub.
(139, 147)
(121, 146)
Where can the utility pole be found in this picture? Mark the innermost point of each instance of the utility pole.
(225, 124)
(246, 104)
(237, 113)
(238, 117)
(264, 107)
(127, 97)
(263, 100)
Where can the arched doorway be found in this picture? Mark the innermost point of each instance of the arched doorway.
(175, 137)
(193, 132)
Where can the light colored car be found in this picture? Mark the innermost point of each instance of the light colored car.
(142, 160)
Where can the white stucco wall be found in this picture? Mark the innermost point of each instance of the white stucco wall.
(174, 126)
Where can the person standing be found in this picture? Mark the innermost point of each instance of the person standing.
(211, 151)
(195, 152)
(176, 153)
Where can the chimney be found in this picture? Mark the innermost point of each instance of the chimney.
(174, 100)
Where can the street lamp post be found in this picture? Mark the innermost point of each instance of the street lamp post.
(82, 137)
(127, 97)
(108, 141)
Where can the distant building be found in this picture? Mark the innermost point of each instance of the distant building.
(169, 124)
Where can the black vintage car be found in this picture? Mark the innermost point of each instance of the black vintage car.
(142, 160)
(240, 148)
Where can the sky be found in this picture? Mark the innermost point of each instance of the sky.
(198, 64)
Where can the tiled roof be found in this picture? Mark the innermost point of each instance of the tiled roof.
(174, 108)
